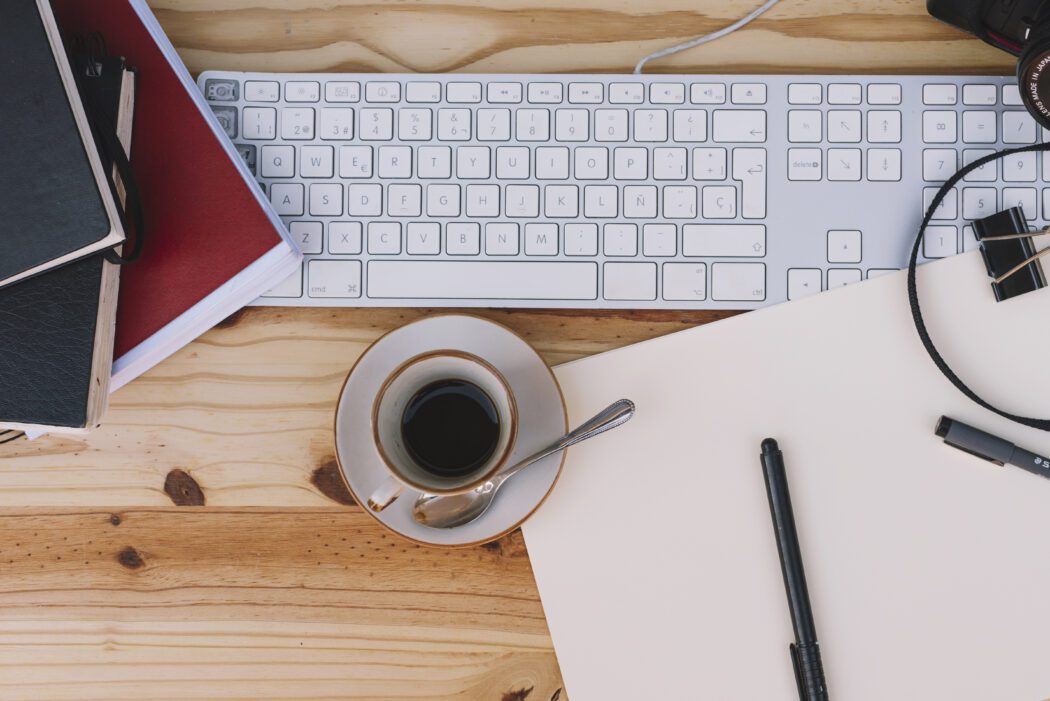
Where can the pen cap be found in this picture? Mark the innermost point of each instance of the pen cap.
(975, 441)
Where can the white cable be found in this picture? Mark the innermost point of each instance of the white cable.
(706, 38)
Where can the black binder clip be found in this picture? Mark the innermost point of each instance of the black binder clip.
(1009, 254)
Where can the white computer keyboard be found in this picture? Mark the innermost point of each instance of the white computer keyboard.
(660, 192)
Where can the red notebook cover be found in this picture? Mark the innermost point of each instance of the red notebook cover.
(205, 221)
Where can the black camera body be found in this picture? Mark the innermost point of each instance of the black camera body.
(1020, 27)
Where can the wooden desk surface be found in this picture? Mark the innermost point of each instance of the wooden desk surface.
(200, 544)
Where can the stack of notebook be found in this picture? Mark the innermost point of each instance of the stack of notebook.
(58, 292)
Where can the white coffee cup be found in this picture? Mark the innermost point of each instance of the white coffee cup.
(389, 407)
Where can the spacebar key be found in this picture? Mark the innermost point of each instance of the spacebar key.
(448, 279)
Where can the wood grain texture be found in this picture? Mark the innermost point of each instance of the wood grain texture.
(201, 544)
(261, 604)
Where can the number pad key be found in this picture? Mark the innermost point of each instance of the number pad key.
(939, 164)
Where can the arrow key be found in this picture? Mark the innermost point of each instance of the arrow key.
(803, 282)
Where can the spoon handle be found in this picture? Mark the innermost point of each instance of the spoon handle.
(616, 414)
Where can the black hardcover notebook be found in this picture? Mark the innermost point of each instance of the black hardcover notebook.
(56, 328)
(51, 178)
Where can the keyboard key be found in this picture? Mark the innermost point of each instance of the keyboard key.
(413, 124)
(630, 164)
(844, 164)
(552, 163)
(473, 162)
(302, 91)
(262, 91)
(844, 126)
(571, 125)
(884, 126)
(523, 201)
(334, 278)
(743, 126)
(297, 123)
(422, 92)
(591, 163)
(326, 200)
(561, 201)
(979, 95)
(404, 200)
(844, 94)
(939, 164)
(364, 200)
(940, 241)
(384, 238)
(708, 163)
(803, 282)
(308, 235)
(640, 202)
(443, 200)
(738, 282)
(453, 124)
(686, 282)
(659, 240)
(884, 94)
(463, 239)
(501, 239)
(377, 124)
(586, 93)
(382, 92)
(504, 93)
(884, 164)
(354, 161)
(344, 238)
(221, 89)
(337, 123)
(679, 202)
(979, 127)
(545, 93)
(804, 126)
(1019, 168)
(805, 163)
(600, 201)
(707, 93)
(749, 167)
(988, 173)
(395, 161)
(844, 246)
(690, 125)
(650, 125)
(719, 202)
(291, 286)
(277, 161)
(287, 198)
(532, 124)
(463, 93)
(749, 94)
(1011, 95)
(611, 125)
(1018, 128)
(949, 207)
(414, 279)
(581, 239)
(669, 163)
(840, 277)
(620, 240)
(512, 163)
(629, 281)
(938, 127)
(667, 93)
(978, 202)
(804, 93)
(541, 239)
(1023, 197)
(423, 238)
(939, 94)
(728, 240)
(342, 91)
(259, 123)
(626, 93)
(483, 201)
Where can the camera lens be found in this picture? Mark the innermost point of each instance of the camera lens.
(1033, 74)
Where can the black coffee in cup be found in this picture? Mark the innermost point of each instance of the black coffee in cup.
(450, 427)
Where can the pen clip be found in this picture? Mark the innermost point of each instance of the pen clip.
(796, 664)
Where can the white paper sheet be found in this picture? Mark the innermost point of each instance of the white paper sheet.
(928, 568)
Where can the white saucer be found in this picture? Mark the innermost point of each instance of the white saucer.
(541, 413)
